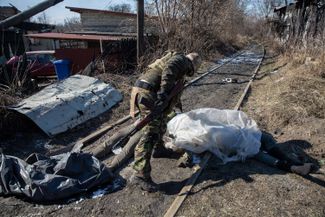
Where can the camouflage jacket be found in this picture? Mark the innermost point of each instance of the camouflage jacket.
(166, 71)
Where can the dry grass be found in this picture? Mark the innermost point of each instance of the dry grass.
(6, 116)
(295, 92)
(121, 82)
(290, 102)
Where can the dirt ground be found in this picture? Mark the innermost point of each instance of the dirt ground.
(236, 189)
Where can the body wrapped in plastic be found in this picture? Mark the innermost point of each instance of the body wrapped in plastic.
(229, 134)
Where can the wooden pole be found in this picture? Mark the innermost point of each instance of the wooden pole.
(102, 51)
(140, 26)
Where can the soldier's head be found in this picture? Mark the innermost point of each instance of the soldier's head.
(196, 61)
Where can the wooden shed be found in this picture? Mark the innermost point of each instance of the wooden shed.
(95, 20)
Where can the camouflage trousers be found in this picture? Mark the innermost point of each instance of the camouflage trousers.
(152, 135)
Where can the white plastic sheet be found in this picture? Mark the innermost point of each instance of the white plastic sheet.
(230, 135)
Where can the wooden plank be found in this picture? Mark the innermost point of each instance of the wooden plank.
(102, 51)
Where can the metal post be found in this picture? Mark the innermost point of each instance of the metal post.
(140, 22)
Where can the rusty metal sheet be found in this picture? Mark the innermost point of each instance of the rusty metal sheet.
(68, 103)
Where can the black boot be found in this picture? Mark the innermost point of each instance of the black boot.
(146, 184)
(290, 158)
(160, 151)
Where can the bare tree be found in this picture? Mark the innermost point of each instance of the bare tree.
(264, 8)
(70, 24)
(43, 18)
(120, 8)
(189, 25)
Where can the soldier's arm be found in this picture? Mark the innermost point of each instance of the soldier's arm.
(175, 69)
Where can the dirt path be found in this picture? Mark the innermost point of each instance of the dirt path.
(236, 189)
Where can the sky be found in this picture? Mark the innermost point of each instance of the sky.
(58, 13)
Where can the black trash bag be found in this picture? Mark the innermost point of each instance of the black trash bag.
(45, 179)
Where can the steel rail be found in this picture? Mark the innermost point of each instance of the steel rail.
(213, 69)
(177, 203)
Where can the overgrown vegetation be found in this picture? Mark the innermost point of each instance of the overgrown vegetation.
(211, 28)
(294, 95)
(203, 26)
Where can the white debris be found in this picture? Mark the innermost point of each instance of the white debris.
(80, 200)
(99, 193)
(117, 183)
(65, 104)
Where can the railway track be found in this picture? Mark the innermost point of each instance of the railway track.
(175, 206)
(221, 79)
(214, 70)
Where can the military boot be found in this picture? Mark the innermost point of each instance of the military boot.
(159, 151)
(302, 169)
(144, 182)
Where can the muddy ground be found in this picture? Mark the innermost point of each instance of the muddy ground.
(236, 189)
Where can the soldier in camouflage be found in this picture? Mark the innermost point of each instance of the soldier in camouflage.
(149, 92)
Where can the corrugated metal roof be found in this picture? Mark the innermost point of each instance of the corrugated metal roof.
(85, 37)
(68, 103)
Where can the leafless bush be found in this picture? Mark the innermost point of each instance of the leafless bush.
(6, 100)
(265, 8)
(70, 24)
(17, 80)
(120, 7)
(203, 26)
